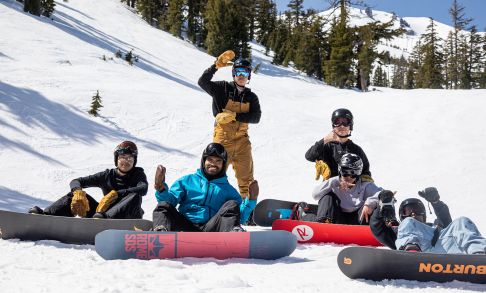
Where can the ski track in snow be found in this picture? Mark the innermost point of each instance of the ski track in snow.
(52, 68)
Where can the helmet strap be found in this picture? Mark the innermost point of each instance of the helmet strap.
(344, 136)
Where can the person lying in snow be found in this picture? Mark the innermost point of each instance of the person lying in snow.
(123, 188)
(413, 233)
(207, 202)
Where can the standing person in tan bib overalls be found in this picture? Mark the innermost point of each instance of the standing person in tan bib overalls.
(234, 107)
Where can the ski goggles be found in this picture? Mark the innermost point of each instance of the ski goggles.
(217, 150)
(341, 122)
(241, 71)
(412, 210)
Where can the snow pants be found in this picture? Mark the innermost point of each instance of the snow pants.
(234, 137)
(127, 207)
(224, 220)
(460, 237)
(329, 208)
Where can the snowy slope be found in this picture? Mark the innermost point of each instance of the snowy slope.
(51, 68)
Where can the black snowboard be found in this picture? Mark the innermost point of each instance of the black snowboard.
(380, 264)
(64, 229)
(269, 210)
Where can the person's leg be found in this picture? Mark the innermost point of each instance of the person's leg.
(62, 206)
(350, 218)
(167, 216)
(328, 208)
(226, 219)
(128, 207)
(411, 231)
(462, 237)
(242, 162)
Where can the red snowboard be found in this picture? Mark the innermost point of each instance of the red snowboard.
(312, 232)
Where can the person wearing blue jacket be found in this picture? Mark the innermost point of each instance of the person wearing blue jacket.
(206, 200)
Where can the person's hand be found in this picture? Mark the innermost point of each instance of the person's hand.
(365, 213)
(430, 194)
(331, 136)
(345, 185)
(107, 201)
(322, 169)
(79, 203)
(226, 117)
(224, 59)
(159, 178)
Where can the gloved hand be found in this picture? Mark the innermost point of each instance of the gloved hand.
(254, 189)
(387, 207)
(226, 117)
(107, 201)
(430, 194)
(79, 203)
(225, 59)
(367, 178)
(159, 178)
(322, 169)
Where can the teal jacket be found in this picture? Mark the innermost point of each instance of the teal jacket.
(199, 199)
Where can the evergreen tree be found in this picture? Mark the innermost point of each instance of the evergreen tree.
(153, 11)
(295, 11)
(196, 31)
(33, 7)
(266, 20)
(95, 104)
(482, 69)
(175, 17)
(399, 73)
(431, 69)
(379, 77)
(459, 22)
(449, 61)
(474, 56)
(278, 40)
(47, 7)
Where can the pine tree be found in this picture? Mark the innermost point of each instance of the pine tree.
(459, 22)
(266, 20)
(277, 41)
(295, 11)
(175, 17)
(475, 56)
(33, 7)
(153, 11)
(399, 73)
(431, 69)
(47, 7)
(449, 61)
(378, 76)
(95, 104)
(196, 32)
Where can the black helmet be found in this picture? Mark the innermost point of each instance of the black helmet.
(350, 164)
(415, 204)
(242, 63)
(215, 149)
(126, 147)
(342, 113)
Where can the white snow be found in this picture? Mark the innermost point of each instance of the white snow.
(50, 69)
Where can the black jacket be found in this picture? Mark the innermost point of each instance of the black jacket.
(222, 91)
(388, 235)
(133, 182)
(332, 152)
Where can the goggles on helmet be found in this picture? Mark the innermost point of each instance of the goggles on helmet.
(412, 209)
(341, 122)
(241, 71)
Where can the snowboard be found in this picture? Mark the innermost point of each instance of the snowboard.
(64, 229)
(380, 264)
(312, 232)
(269, 210)
(116, 244)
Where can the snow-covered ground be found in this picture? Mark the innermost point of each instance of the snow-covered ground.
(50, 69)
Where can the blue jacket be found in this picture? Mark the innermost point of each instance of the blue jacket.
(199, 199)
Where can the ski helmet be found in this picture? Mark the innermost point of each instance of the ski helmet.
(217, 150)
(350, 165)
(342, 113)
(242, 63)
(126, 148)
(416, 205)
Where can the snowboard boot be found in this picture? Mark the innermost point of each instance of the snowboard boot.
(36, 210)
(238, 229)
(99, 216)
(160, 228)
(412, 247)
(299, 210)
(250, 221)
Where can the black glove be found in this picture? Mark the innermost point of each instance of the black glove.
(387, 207)
(430, 194)
(386, 196)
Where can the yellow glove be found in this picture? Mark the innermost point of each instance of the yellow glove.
(226, 117)
(107, 201)
(367, 178)
(79, 203)
(322, 169)
(225, 59)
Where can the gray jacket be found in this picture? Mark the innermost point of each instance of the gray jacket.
(363, 193)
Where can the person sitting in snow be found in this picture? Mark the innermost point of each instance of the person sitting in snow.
(413, 233)
(346, 198)
(123, 188)
(327, 152)
(207, 202)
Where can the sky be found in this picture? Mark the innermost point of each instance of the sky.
(437, 9)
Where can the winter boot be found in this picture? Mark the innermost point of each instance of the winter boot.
(36, 210)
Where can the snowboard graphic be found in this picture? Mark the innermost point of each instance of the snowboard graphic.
(116, 244)
(312, 232)
(64, 229)
(269, 210)
(380, 264)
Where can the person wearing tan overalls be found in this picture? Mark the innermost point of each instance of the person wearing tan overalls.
(234, 107)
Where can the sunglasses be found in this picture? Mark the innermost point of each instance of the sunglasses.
(241, 72)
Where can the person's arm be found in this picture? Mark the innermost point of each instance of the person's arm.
(441, 210)
(315, 152)
(205, 80)
(253, 116)
(140, 189)
(384, 234)
(95, 180)
(366, 163)
(322, 189)
(173, 195)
